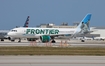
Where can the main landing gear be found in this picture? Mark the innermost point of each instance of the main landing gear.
(53, 41)
(82, 40)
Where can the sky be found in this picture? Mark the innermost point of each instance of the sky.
(14, 12)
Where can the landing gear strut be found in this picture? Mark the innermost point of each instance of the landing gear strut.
(53, 41)
(83, 39)
(19, 40)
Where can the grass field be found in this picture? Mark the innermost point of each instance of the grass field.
(27, 50)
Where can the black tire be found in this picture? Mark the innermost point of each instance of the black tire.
(2, 39)
(19, 41)
(82, 40)
(12, 40)
(9, 38)
(53, 41)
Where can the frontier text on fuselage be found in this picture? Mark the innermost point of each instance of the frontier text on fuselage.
(42, 31)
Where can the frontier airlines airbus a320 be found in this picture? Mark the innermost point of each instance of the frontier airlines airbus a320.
(47, 34)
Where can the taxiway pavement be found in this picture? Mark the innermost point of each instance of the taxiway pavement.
(73, 43)
(52, 60)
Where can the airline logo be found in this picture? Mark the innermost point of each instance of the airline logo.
(27, 22)
(42, 31)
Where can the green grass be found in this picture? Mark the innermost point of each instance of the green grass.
(27, 50)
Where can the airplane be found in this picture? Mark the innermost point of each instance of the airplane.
(48, 34)
(25, 25)
(3, 33)
(99, 38)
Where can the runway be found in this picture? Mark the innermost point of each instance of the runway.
(52, 60)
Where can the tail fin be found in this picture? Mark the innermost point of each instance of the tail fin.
(27, 22)
(84, 24)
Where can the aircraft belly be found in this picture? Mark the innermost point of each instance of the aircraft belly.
(29, 36)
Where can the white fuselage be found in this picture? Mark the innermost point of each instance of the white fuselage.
(37, 32)
(23, 32)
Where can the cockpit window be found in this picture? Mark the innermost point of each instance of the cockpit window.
(13, 30)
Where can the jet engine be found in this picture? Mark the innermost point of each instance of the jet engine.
(45, 38)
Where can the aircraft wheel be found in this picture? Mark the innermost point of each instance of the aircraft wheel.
(2, 39)
(12, 40)
(82, 40)
(9, 38)
(19, 41)
(53, 41)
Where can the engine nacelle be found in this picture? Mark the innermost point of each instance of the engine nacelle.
(11, 39)
(45, 38)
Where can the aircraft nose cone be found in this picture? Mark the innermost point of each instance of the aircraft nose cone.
(9, 34)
